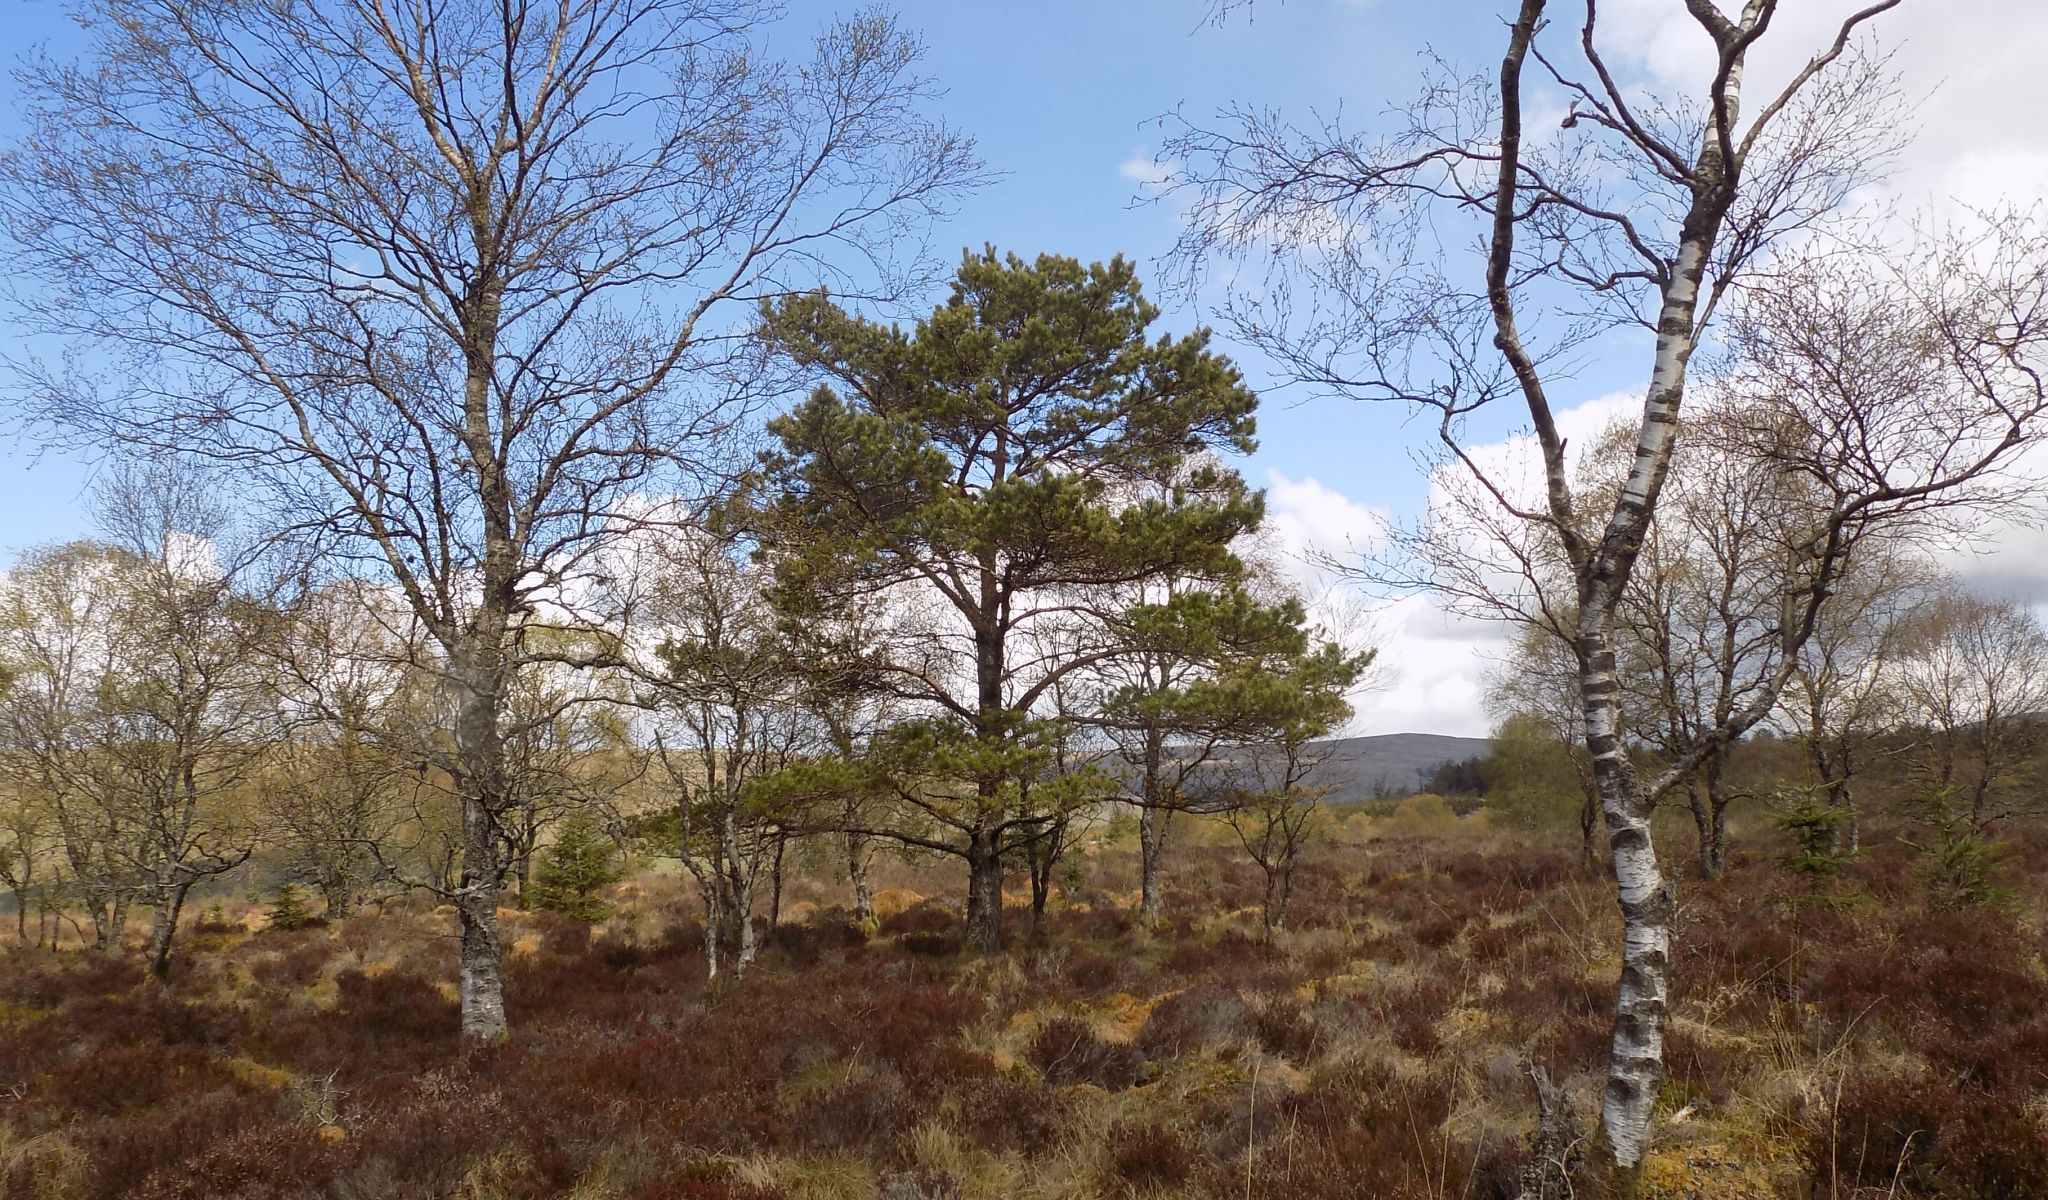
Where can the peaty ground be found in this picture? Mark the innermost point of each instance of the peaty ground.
(1841, 1042)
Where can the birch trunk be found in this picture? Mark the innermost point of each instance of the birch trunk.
(857, 875)
(110, 924)
(1636, 1062)
(1714, 849)
(480, 749)
(164, 927)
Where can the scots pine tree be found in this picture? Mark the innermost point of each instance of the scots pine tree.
(991, 479)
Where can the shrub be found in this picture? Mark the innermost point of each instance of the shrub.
(928, 943)
(927, 917)
(1001, 1113)
(1146, 1157)
(1067, 1050)
(1091, 972)
(702, 1183)
(1933, 1138)
(863, 1113)
(1284, 1029)
(295, 966)
(1200, 1018)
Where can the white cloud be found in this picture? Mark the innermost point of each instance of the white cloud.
(1434, 662)
(1317, 524)
(1432, 668)
(1972, 96)
(1149, 173)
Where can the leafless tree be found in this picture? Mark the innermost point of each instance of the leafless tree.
(1973, 675)
(28, 856)
(450, 282)
(1842, 703)
(1273, 813)
(1702, 621)
(1644, 212)
(729, 696)
(138, 710)
(183, 717)
(59, 601)
(1540, 680)
(356, 726)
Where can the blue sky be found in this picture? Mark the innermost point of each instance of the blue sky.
(1062, 95)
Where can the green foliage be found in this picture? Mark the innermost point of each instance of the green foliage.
(1958, 863)
(1531, 780)
(576, 868)
(1815, 828)
(1028, 455)
(290, 911)
(1458, 777)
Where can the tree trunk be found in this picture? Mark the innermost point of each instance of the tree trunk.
(775, 884)
(857, 875)
(1152, 824)
(1635, 1069)
(1589, 828)
(1041, 891)
(735, 882)
(1703, 827)
(164, 927)
(984, 892)
(482, 980)
(109, 924)
(1714, 848)
(714, 927)
(1286, 890)
(480, 877)
(1043, 855)
(749, 944)
(1852, 825)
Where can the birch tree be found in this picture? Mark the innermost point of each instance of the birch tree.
(1843, 703)
(729, 698)
(447, 282)
(138, 708)
(181, 717)
(1646, 211)
(1972, 673)
(59, 602)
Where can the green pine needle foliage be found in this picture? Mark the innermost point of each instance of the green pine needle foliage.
(290, 910)
(1958, 861)
(575, 870)
(1815, 828)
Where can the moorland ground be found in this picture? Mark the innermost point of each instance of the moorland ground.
(1837, 1038)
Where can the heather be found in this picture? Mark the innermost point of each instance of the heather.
(1378, 1045)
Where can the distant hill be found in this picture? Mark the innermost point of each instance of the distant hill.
(1357, 767)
